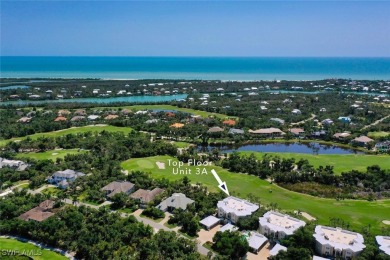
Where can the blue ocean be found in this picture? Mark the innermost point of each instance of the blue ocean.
(207, 68)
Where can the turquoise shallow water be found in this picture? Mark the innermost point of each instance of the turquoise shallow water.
(132, 99)
(223, 68)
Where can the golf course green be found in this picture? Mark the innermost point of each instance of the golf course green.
(50, 155)
(340, 162)
(358, 213)
(72, 130)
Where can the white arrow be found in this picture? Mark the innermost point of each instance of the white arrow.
(222, 185)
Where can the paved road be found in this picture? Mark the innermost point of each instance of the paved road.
(10, 189)
(39, 190)
(303, 121)
(375, 123)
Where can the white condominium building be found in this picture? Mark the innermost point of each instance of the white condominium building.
(336, 242)
(278, 225)
(233, 208)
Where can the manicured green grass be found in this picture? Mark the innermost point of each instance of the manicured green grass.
(157, 220)
(181, 144)
(378, 134)
(340, 162)
(72, 130)
(184, 110)
(50, 155)
(38, 254)
(357, 212)
(51, 190)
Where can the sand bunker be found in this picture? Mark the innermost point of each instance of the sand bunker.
(306, 215)
(386, 222)
(160, 165)
(54, 153)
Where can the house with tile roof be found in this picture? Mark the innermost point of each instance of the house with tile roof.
(116, 187)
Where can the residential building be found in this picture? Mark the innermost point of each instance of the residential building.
(177, 125)
(362, 140)
(384, 244)
(229, 122)
(336, 242)
(176, 201)
(60, 119)
(341, 135)
(146, 196)
(232, 208)
(327, 121)
(235, 131)
(228, 227)
(93, 117)
(383, 146)
(277, 120)
(210, 222)
(296, 112)
(25, 120)
(39, 213)
(63, 178)
(344, 119)
(215, 129)
(16, 164)
(111, 117)
(117, 187)
(77, 118)
(276, 249)
(279, 225)
(63, 112)
(256, 241)
(80, 112)
(268, 132)
(297, 131)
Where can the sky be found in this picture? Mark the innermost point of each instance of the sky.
(202, 28)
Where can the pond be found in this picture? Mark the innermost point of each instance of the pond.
(15, 87)
(307, 148)
(131, 99)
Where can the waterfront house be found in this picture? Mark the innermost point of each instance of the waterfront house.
(116, 187)
(336, 242)
(299, 132)
(176, 201)
(341, 136)
(383, 146)
(232, 208)
(93, 117)
(268, 132)
(111, 117)
(362, 140)
(279, 225)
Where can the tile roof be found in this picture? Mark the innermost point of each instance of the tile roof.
(146, 196)
(117, 187)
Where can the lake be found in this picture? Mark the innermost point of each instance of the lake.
(307, 148)
(131, 99)
(15, 87)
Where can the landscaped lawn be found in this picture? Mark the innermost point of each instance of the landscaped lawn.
(357, 212)
(15, 245)
(181, 144)
(340, 162)
(50, 155)
(378, 134)
(51, 190)
(73, 130)
(184, 110)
